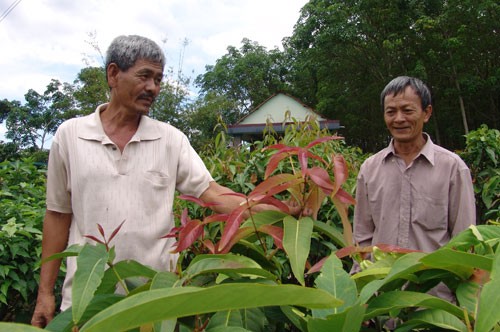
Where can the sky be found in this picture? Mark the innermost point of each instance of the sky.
(52, 39)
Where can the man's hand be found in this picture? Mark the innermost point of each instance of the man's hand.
(44, 310)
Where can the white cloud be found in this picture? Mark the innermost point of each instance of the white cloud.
(45, 39)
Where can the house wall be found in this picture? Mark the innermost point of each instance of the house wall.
(275, 109)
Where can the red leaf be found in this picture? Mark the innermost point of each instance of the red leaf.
(273, 183)
(101, 230)
(232, 224)
(215, 217)
(303, 160)
(345, 197)
(340, 171)
(321, 177)
(392, 248)
(94, 238)
(209, 245)
(189, 234)
(117, 229)
(197, 201)
(185, 217)
(240, 234)
(323, 139)
(275, 231)
(317, 267)
(276, 158)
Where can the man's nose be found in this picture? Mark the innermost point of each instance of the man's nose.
(399, 116)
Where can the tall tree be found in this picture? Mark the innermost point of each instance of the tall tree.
(31, 124)
(90, 89)
(342, 53)
(247, 76)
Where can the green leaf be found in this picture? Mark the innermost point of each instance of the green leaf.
(16, 327)
(337, 282)
(71, 251)
(488, 314)
(468, 295)
(460, 263)
(394, 300)
(123, 269)
(350, 320)
(242, 265)
(402, 268)
(434, 317)
(163, 304)
(465, 239)
(63, 322)
(297, 243)
(330, 231)
(91, 263)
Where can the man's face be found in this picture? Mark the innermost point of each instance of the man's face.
(404, 116)
(137, 87)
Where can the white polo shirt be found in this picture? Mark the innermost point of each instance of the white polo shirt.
(91, 178)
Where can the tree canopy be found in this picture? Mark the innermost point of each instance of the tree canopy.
(340, 56)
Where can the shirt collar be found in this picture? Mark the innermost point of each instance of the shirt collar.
(426, 152)
(92, 129)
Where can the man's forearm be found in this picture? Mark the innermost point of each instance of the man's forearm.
(55, 238)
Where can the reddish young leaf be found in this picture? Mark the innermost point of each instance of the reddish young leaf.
(314, 200)
(344, 197)
(271, 184)
(275, 231)
(234, 194)
(317, 267)
(101, 231)
(241, 233)
(232, 224)
(185, 217)
(323, 139)
(275, 202)
(321, 177)
(197, 201)
(275, 147)
(209, 245)
(277, 158)
(222, 217)
(188, 235)
(340, 171)
(173, 233)
(302, 155)
(94, 238)
(117, 229)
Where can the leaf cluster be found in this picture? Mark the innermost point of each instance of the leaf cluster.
(22, 197)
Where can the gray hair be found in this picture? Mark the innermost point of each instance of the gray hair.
(399, 84)
(124, 51)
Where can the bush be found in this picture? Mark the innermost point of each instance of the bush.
(481, 155)
(22, 202)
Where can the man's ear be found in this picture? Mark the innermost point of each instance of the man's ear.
(428, 113)
(112, 73)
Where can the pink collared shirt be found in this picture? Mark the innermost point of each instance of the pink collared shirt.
(419, 206)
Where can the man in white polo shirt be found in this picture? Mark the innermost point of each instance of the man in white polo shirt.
(118, 164)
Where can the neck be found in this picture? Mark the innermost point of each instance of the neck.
(409, 150)
(119, 124)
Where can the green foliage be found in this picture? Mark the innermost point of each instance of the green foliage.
(482, 154)
(22, 198)
(30, 125)
(245, 76)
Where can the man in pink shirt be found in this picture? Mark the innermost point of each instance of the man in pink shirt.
(413, 194)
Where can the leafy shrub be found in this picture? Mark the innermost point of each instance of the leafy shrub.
(22, 202)
(482, 154)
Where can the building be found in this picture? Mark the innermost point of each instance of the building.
(279, 110)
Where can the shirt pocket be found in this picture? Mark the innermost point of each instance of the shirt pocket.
(430, 212)
(157, 179)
